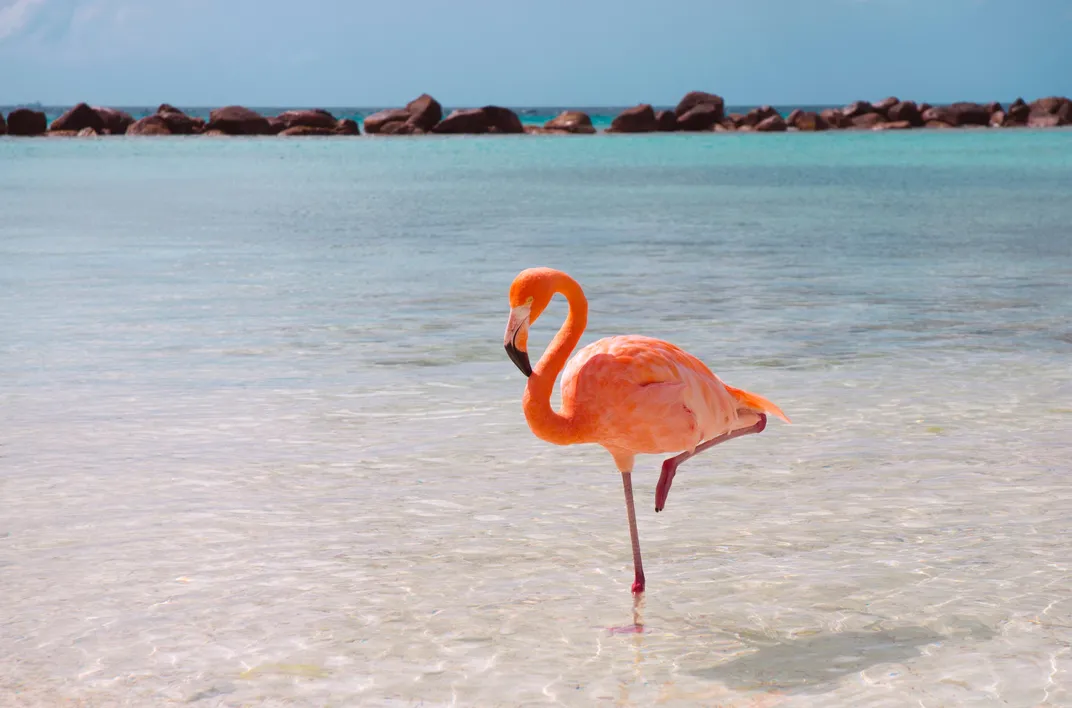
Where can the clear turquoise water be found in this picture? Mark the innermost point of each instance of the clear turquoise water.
(261, 445)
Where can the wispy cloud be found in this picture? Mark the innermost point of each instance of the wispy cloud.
(15, 15)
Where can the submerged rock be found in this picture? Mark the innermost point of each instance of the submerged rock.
(307, 130)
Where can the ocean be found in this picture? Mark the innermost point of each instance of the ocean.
(260, 443)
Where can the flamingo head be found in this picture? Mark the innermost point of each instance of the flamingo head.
(530, 293)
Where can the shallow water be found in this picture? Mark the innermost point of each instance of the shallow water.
(261, 445)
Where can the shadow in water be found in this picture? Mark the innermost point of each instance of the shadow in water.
(817, 664)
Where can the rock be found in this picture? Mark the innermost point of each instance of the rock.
(958, 114)
(150, 125)
(638, 119)
(867, 121)
(941, 125)
(905, 111)
(997, 119)
(471, 121)
(894, 125)
(791, 119)
(723, 127)
(1050, 104)
(502, 120)
(1018, 113)
(424, 112)
(1044, 120)
(699, 98)
(81, 116)
(773, 124)
(178, 123)
(275, 125)
(994, 107)
(115, 121)
(699, 118)
(885, 105)
(735, 118)
(924, 107)
(238, 120)
(571, 122)
(728, 124)
(857, 108)
(87, 133)
(3, 125)
(374, 123)
(315, 118)
(398, 128)
(757, 115)
(835, 118)
(26, 122)
(665, 121)
(306, 130)
(347, 126)
(807, 121)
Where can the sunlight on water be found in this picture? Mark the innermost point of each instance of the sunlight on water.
(261, 444)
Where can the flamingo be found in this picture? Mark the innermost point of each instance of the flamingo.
(630, 394)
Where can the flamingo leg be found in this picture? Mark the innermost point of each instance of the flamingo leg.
(638, 566)
(666, 478)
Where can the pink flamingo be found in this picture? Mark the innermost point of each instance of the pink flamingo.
(631, 394)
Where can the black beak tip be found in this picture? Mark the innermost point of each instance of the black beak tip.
(520, 359)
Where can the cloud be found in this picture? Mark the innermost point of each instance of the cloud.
(14, 16)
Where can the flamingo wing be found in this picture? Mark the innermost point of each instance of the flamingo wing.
(646, 395)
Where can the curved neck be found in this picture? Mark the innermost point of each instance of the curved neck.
(546, 423)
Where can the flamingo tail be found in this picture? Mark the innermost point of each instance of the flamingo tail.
(756, 402)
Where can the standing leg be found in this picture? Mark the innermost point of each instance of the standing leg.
(666, 477)
(638, 566)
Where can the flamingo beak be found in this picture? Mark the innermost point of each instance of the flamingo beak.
(517, 337)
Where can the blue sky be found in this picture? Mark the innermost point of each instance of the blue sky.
(526, 52)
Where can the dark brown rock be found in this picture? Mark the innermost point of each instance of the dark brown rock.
(757, 115)
(791, 119)
(701, 117)
(1018, 113)
(994, 107)
(571, 122)
(835, 118)
(150, 125)
(958, 114)
(76, 118)
(905, 111)
(857, 108)
(773, 124)
(1050, 104)
(699, 98)
(238, 120)
(867, 121)
(424, 112)
(374, 123)
(115, 121)
(315, 118)
(307, 130)
(638, 119)
(665, 121)
(735, 118)
(399, 128)
(807, 121)
(503, 120)
(26, 122)
(347, 126)
(3, 125)
(885, 105)
(1018, 102)
(924, 107)
(178, 123)
(472, 121)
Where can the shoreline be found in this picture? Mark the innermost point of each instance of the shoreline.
(697, 112)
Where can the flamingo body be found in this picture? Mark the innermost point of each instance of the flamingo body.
(631, 394)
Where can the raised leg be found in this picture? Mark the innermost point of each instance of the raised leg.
(666, 477)
(638, 566)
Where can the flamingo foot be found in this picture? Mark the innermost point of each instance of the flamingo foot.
(666, 478)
